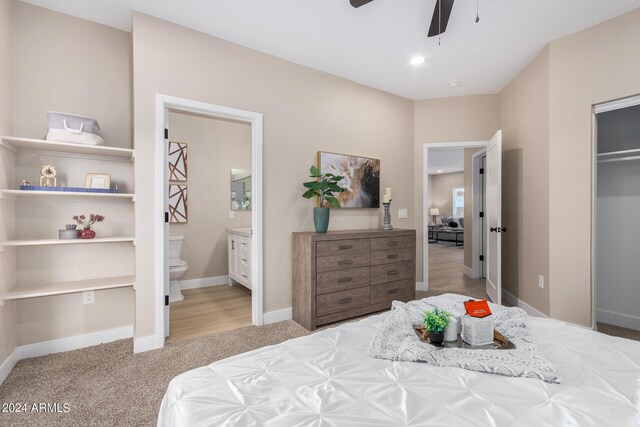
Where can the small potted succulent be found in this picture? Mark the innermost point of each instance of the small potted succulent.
(87, 232)
(436, 323)
(324, 186)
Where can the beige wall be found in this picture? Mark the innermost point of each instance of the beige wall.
(304, 111)
(69, 64)
(441, 195)
(7, 258)
(215, 147)
(465, 118)
(524, 119)
(598, 64)
(468, 205)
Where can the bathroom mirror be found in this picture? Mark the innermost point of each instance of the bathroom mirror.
(240, 190)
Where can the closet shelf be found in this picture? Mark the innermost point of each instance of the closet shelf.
(16, 144)
(48, 242)
(45, 290)
(64, 195)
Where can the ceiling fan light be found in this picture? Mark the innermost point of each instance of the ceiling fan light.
(417, 60)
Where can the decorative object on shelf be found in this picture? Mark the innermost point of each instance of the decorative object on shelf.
(323, 187)
(98, 180)
(240, 190)
(67, 189)
(178, 204)
(434, 212)
(87, 232)
(25, 183)
(387, 205)
(48, 178)
(361, 178)
(436, 323)
(177, 161)
(69, 233)
(64, 127)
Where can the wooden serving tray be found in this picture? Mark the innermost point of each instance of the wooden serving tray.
(500, 342)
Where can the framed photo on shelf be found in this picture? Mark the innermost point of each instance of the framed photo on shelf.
(98, 180)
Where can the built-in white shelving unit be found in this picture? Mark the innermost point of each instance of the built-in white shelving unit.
(19, 145)
(49, 242)
(51, 289)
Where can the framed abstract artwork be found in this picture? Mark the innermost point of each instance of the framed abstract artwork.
(361, 178)
(177, 161)
(178, 204)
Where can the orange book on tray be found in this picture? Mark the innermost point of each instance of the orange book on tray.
(477, 308)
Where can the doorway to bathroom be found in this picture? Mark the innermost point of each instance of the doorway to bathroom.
(210, 276)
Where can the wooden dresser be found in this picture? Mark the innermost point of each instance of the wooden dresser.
(344, 274)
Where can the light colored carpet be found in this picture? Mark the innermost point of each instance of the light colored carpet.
(108, 385)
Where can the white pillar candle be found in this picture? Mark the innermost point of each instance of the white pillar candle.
(387, 192)
(451, 333)
(385, 199)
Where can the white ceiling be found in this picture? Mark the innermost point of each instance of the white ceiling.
(445, 160)
(372, 45)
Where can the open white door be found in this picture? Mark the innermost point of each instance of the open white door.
(165, 264)
(493, 256)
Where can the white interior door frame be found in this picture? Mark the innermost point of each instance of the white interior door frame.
(164, 102)
(425, 196)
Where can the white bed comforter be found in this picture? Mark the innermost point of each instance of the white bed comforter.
(326, 379)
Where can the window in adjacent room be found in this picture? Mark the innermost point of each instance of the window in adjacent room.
(458, 201)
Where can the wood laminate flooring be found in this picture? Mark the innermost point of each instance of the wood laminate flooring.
(207, 310)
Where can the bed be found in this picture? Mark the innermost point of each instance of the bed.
(326, 379)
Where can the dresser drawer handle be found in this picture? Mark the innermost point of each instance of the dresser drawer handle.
(244, 259)
(345, 247)
(345, 280)
(393, 291)
(245, 276)
(393, 256)
(345, 300)
(345, 262)
(393, 272)
(393, 243)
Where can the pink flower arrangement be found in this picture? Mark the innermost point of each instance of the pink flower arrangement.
(93, 218)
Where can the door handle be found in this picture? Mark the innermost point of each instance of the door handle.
(504, 229)
(493, 229)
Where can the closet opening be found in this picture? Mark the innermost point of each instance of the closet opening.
(616, 207)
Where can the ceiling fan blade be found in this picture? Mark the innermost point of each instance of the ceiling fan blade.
(358, 3)
(440, 17)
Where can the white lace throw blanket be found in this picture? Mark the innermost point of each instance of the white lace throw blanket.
(396, 340)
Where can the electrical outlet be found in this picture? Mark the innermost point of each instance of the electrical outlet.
(540, 281)
(232, 214)
(89, 297)
(403, 213)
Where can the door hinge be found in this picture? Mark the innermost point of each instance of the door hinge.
(481, 257)
(166, 217)
(166, 300)
(166, 133)
(481, 214)
(481, 171)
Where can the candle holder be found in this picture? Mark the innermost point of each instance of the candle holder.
(387, 217)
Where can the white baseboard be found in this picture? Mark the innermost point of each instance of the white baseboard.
(618, 319)
(517, 302)
(277, 316)
(62, 344)
(147, 343)
(421, 287)
(205, 282)
(468, 271)
(8, 365)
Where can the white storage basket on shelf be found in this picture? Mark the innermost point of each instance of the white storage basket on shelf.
(65, 127)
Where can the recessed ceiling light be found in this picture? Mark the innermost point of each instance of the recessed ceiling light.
(454, 83)
(417, 60)
(439, 170)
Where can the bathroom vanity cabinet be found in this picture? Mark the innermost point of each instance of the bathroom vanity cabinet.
(239, 249)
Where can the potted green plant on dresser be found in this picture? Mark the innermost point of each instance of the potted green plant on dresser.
(436, 323)
(324, 187)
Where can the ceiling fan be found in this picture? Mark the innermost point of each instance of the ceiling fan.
(439, 20)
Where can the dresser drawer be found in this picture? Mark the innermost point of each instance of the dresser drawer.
(393, 254)
(392, 291)
(342, 262)
(337, 302)
(341, 280)
(385, 243)
(338, 247)
(391, 272)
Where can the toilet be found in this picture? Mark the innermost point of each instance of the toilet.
(177, 268)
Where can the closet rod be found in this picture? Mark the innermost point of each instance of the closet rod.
(619, 159)
(617, 153)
